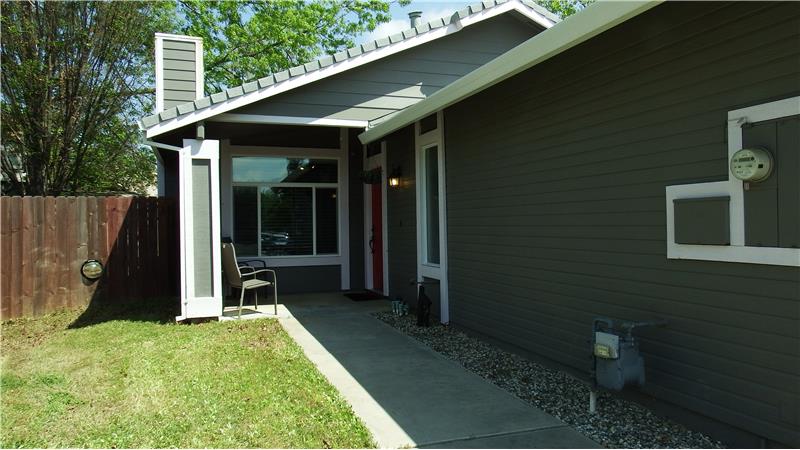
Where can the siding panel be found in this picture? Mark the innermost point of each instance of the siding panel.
(552, 224)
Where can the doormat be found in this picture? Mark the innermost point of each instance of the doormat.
(363, 296)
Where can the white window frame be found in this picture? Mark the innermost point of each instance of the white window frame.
(737, 251)
(313, 187)
(343, 258)
(425, 269)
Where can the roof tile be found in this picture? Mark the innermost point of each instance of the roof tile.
(281, 76)
(149, 121)
(219, 97)
(250, 87)
(382, 42)
(201, 103)
(311, 66)
(168, 114)
(326, 61)
(396, 37)
(339, 56)
(185, 108)
(266, 81)
(409, 33)
(234, 92)
(296, 70)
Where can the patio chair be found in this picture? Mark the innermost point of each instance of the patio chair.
(243, 276)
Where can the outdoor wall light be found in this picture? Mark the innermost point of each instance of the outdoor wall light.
(92, 269)
(394, 177)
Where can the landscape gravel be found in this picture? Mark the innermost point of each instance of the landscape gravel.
(618, 423)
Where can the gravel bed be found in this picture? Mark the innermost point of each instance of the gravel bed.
(618, 423)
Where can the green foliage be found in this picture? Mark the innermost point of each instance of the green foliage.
(248, 39)
(121, 379)
(564, 8)
(75, 75)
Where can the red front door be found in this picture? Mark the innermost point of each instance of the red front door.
(376, 239)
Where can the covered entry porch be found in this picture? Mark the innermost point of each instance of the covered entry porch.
(293, 196)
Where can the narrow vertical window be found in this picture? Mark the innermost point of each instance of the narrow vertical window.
(431, 162)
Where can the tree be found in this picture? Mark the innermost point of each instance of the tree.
(564, 8)
(245, 40)
(75, 77)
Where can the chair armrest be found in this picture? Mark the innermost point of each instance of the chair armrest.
(255, 273)
(249, 261)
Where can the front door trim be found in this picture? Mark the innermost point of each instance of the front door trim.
(370, 163)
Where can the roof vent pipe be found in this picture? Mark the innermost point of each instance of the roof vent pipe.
(415, 17)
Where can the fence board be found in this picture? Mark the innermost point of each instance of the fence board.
(45, 240)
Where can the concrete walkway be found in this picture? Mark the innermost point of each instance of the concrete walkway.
(407, 394)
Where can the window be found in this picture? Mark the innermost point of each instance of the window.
(285, 206)
(431, 203)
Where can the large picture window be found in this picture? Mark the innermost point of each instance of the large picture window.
(285, 206)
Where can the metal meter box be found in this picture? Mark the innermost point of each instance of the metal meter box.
(617, 362)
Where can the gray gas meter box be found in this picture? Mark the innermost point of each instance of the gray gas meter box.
(617, 362)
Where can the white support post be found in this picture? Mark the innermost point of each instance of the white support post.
(344, 207)
(199, 304)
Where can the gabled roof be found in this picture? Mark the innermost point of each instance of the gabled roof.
(280, 82)
(574, 30)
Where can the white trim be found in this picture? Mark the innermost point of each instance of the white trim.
(199, 66)
(424, 269)
(159, 66)
(179, 37)
(191, 305)
(342, 66)
(159, 63)
(296, 261)
(595, 19)
(733, 187)
(164, 146)
(288, 120)
(370, 163)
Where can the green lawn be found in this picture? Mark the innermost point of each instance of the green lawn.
(109, 382)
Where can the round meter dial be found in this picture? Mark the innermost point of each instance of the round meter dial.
(751, 164)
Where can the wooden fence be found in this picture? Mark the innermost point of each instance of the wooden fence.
(45, 240)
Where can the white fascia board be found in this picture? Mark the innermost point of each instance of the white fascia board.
(574, 30)
(288, 120)
(179, 37)
(345, 65)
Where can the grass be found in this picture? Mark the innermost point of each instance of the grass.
(95, 380)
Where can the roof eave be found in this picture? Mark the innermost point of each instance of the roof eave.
(574, 30)
(280, 82)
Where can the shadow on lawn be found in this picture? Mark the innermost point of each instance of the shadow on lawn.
(138, 246)
(159, 310)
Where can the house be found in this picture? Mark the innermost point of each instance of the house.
(581, 170)
(276, 164)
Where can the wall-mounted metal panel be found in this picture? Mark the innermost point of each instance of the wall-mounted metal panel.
(704, 221)
(201, 214)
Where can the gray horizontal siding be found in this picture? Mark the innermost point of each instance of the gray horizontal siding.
(556, 210)
(179, 68)
(401, 80)
(401, 217)
(297, 280)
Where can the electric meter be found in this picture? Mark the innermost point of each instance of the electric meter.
(751, 164)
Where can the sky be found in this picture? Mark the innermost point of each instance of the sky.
(400, 22)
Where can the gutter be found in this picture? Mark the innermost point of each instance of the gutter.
(564, 35)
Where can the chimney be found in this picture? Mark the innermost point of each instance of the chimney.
(415, 17)
(179, 70)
